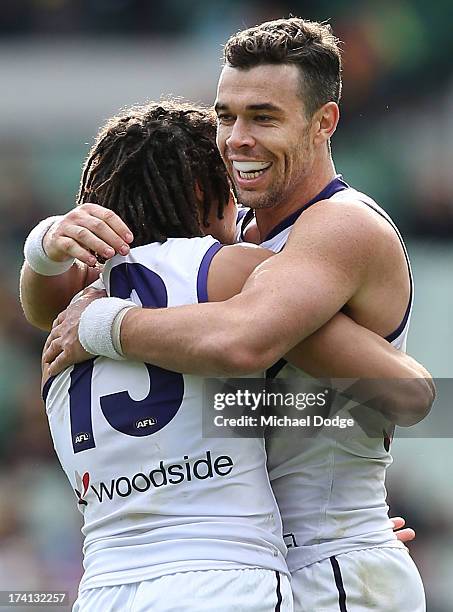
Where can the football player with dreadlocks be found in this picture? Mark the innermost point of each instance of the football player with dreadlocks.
(172, 520)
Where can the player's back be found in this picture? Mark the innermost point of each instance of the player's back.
(156, 496)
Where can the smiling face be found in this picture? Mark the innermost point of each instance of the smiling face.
(264, 135)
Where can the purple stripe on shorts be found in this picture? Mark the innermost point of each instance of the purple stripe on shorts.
(279, 594)
(339, 582)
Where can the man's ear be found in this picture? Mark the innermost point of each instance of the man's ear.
(325, 122)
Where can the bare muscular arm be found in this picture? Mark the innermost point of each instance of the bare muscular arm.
(284, 302)
(286, 299)
(86, 229)
(43, 297)
(341, 349)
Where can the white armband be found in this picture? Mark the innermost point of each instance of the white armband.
(35, 255)
(100, 327)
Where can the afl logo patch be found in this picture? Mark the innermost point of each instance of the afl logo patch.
(82, 437)
(148, 422)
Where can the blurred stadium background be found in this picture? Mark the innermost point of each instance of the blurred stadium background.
(66, 65)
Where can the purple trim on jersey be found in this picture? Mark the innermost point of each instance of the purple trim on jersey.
(246, 219)
(275, 369)
(202, 278)
(241, 214)
(394, 335)
(331, 189)
(391, 337)
(46, 388)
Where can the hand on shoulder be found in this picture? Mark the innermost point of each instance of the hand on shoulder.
(85, 230)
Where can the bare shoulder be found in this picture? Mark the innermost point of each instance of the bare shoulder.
(231, 267)
(360, 249)
(244, 254)
(345, 225)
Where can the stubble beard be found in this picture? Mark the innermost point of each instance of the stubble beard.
(269, 199)
(265, 200)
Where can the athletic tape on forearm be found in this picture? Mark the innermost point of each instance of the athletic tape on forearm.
(35, 255)
(97, 323)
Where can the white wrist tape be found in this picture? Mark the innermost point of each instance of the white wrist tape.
(35, 255)
(100, 323)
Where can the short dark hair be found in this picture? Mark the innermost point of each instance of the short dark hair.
(146, 164)
(309, 45)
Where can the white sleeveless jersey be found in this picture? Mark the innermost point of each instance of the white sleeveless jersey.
(156, 497)
(331, 488)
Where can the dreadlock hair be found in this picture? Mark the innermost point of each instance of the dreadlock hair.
(146, 165)
(309, 45)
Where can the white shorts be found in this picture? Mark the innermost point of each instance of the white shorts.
(378, 579)
(237, 590)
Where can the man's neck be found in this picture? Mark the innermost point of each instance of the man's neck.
(268, 218)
